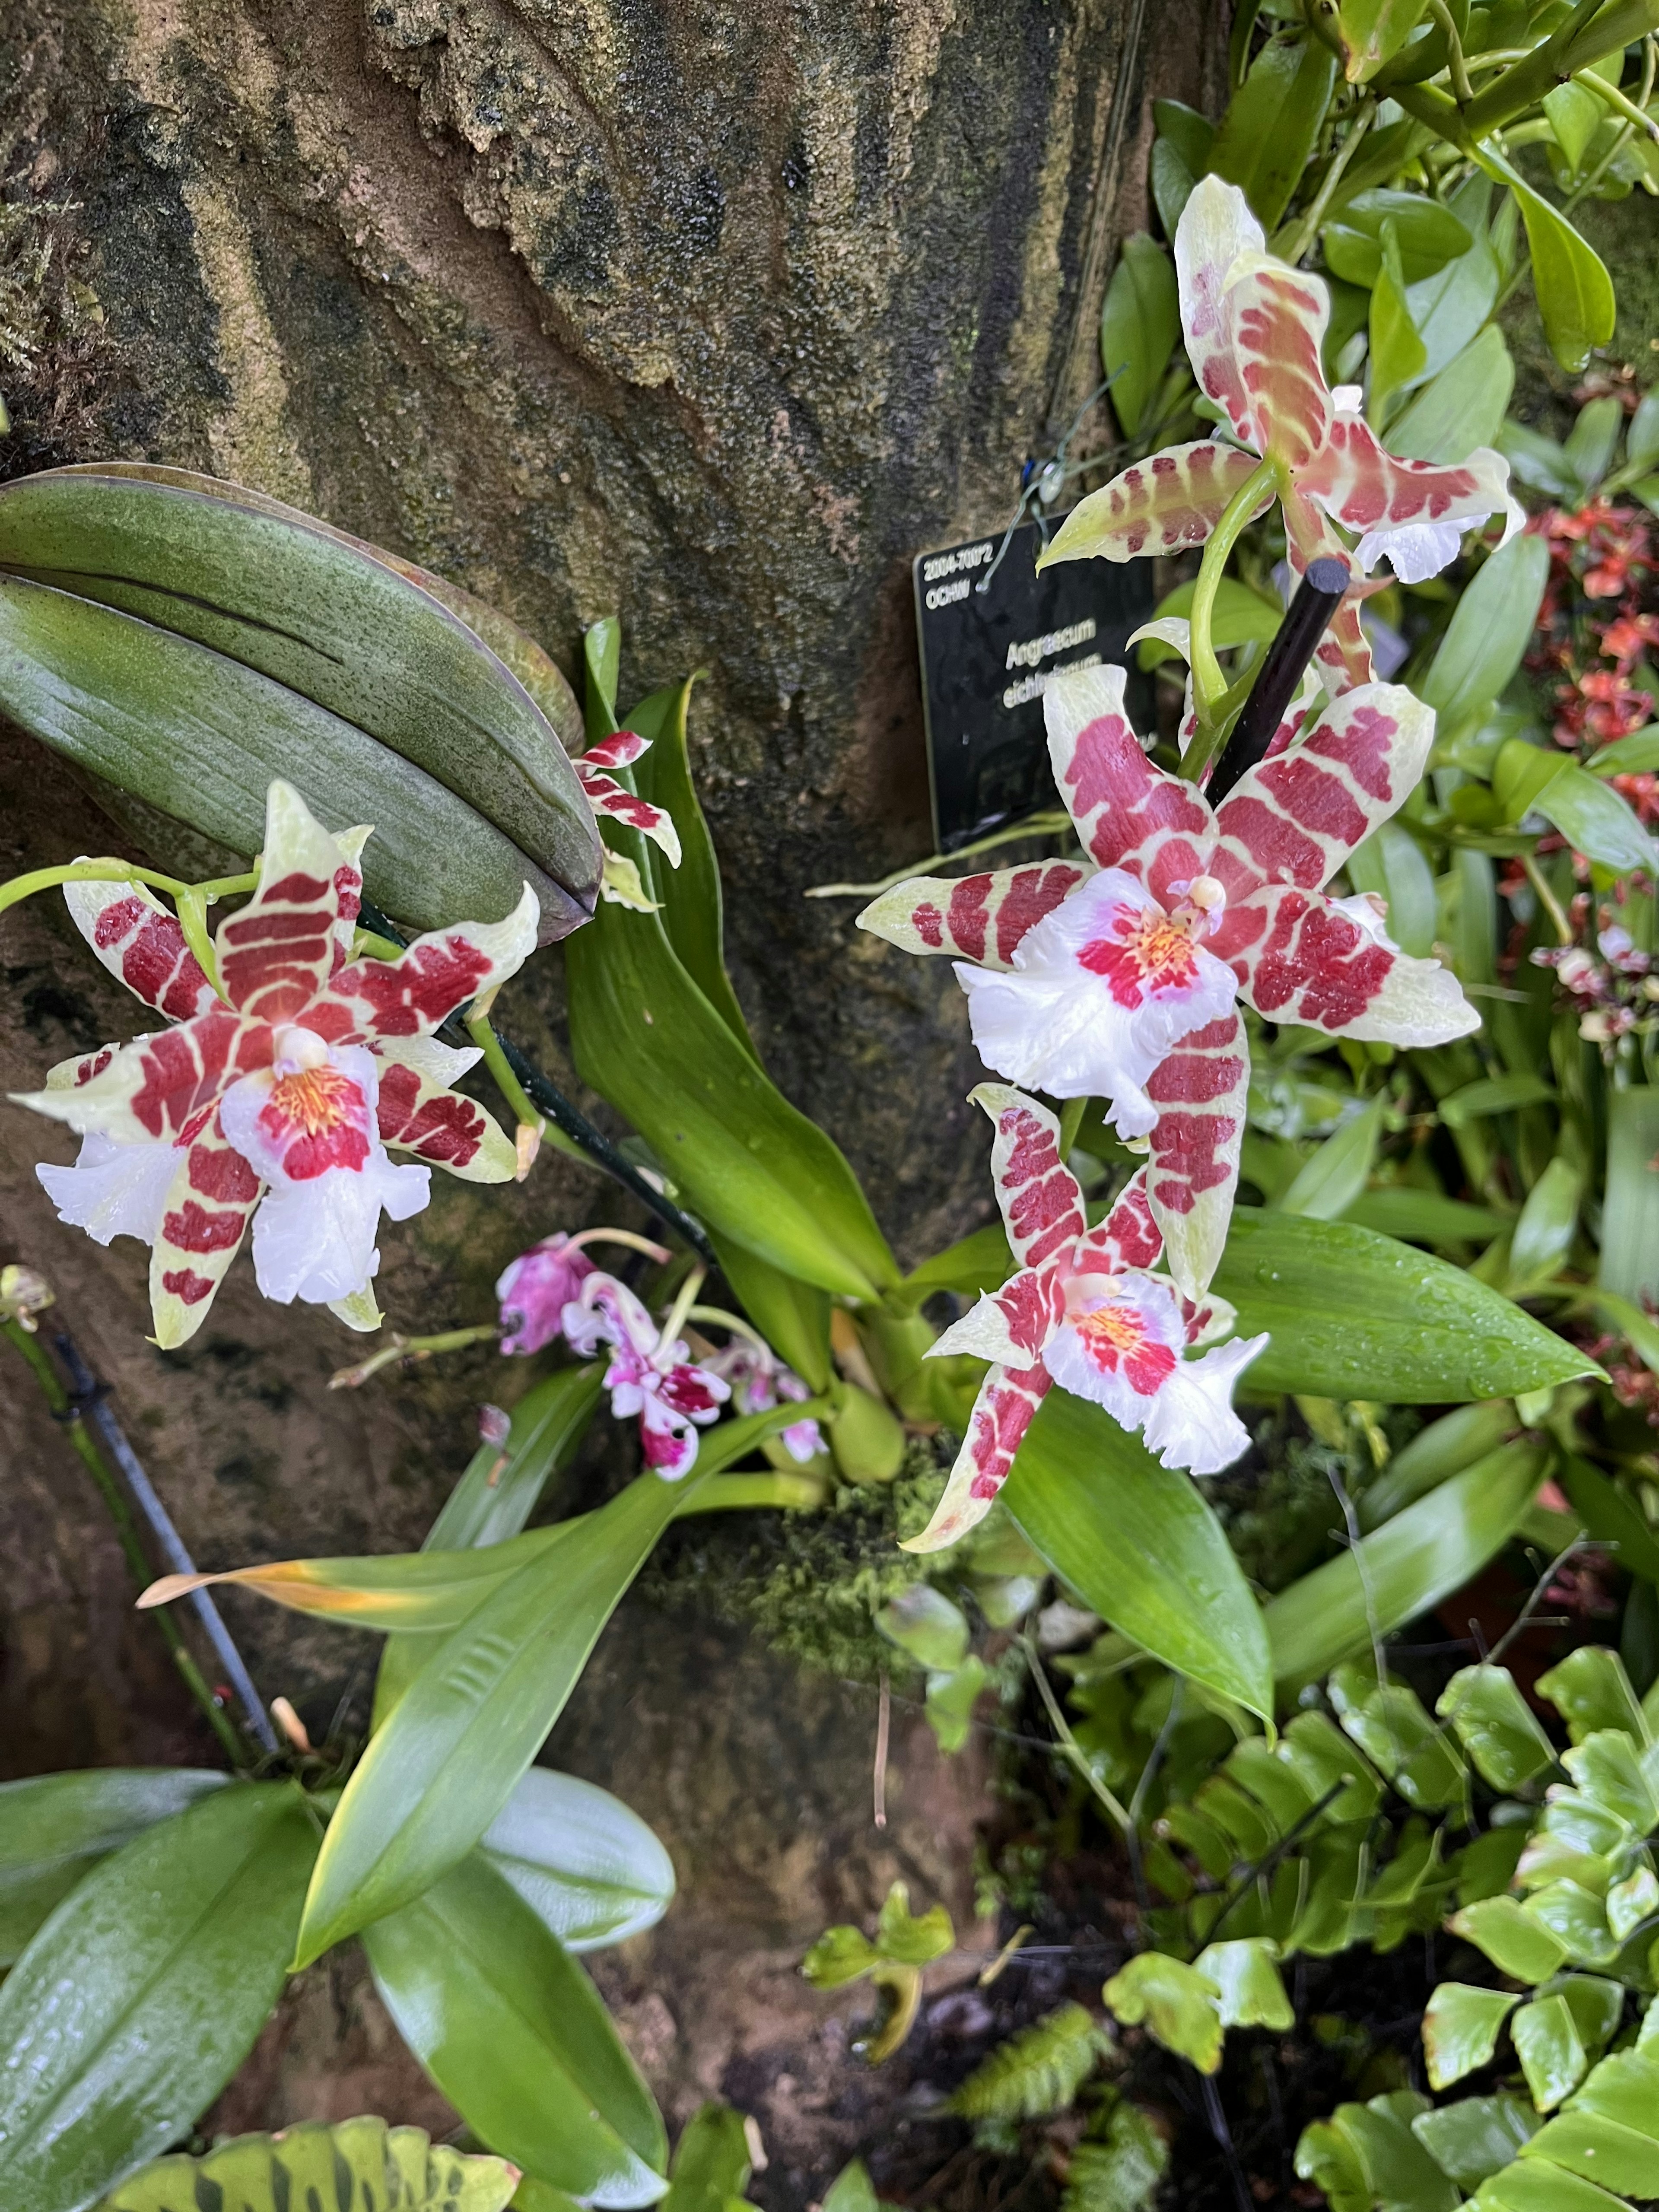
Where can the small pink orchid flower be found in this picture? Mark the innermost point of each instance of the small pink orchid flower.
(650, 1374)
(277, 1094)
(1084, 1312)
(759, 1380)
(1254, 328)
(536, 1288)
(1114, 976)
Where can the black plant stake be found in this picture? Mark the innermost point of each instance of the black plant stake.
(1317, 598)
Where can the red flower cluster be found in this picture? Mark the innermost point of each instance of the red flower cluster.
(1602, 551)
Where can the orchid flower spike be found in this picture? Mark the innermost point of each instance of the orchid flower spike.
(650, 1375)
(273, 1097)
(759, 1380)
(1083, 1311)
(1115, 976)
(1254, 328)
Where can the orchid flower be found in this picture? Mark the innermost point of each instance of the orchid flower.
(759, 1380)
(277, 1092)
(1254, 327)
(1116, 975)
(1084, 1311)
(621, 881)
(651, 1373)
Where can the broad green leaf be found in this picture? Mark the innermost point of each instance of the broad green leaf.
(1494, 1094)
(587, 1867)
(912, 1938)
(1241, 617)
(950, 1701)
(1179, 2006)
(310, 635)
(1140, 1545)
(1598, 821)
(1520, 772)
(1397, 356)
(925, 1626)
(982, 1261)
(1611, 2155)
(1611, 1518)
(443, 1764)
(1495, 1726)
(491, 1503)
(1574, 291)
(1460, 409)
(357, 2166)
(1517, 1943)
(851, 2190)
(1591, 1689)
(1628, 756)
(1423, 1215)
(1268, 132)
(1473, 2138)
(1401, 2175)
(1642, 438)
(1451, 309)
(140, 1995)
(1429, 235)
(1246, 1973)
(1434, 1455)
(1325, 2156)
(1575, 116)
(1171, 183)
(840, 1956)
(1353, 1315)
(54, 1828)
(1547, 2043)
(1193, 135)
(1488, 633)
(1538, 461)
(1326, 1185)
(1393, 864)
(1594, 437)
(711, 2162)
(1387, 1721)
(517, 2038)
(1549, 1221)
(1139, 327)
(1406, 1566)
(1371, 32)
(1629, 1267)
(1533, 2184)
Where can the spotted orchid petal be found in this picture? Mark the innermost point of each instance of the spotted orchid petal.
(1343, 654)
(278, 952)
(1129, 815)
(1215, 231)
(1162, 505)
(606, 796)
(1042, 1206)
(1363, 486)
(981, 918)
(1007, 1399)
(1128, 1236)
(1101, 991)
(349, 889)
(154, 1086)
(370, 1000)
(418, 1112)
(1199, 1092)
(138, 940)
(606, 1311)
(1296, 816)
(1275, 318)
(1329, 964)
(209, 1200)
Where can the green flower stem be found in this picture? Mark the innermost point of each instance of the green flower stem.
(126, 1533)
(1209, 684)
(1307, 229)
(481, 1030)
(1462, 90)
(405, 1351)
(732, 1493)
(1547, 900)
(1587, 35)
(119, 872)
(1620, 102)
(1069, 1744)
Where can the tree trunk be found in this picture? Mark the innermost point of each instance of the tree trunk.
(709, 316)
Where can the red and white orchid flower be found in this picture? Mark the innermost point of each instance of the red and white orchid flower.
(277, 1091)
(621, 882)
(1084, 1312)
(651, 1372)
(1254, 327)
(1115, 976)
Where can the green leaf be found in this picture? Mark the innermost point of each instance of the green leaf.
(1139, 327)
(1520, 772)
(54, 1828)
(445, 1762)
(1037, 2072)
(1371, 32)
(1122, 2173)
(491, 1503)
(1140, 1545)
(1488, 634)
(283, 631)
(1401, 2174)
(1544, 1234)
(1461, 408)
(1393, 864)
(1591, 1689)
(1387, 1720)
(1629, 1267)
(141, 1995)
(1241, 617)
(1273, 122)
(1494, 1094)
(1353, 1315)
(1193, 135)
(516, 2036)
(1575, 292)
(1435, 1454)
(1547, 2043)
(793, 1316)
(950, 1701)
(1397, 356)
(711, 2162)
(1246, 1972)
(1628, 756)
(1517, 1943)
(1423, 1215)
(1538, 461)
(1450, 308)
(840, 1956)
(1597, 821)
(357, 2166)
(1610, 1517)
(1575, 116)
(912, 1938)
(587, 1867)
(1180, 2007)
(1326, 1184)
(1495, 1726)
(1404, 1567)
(980, 1262)
(925, 1625)
(1460, 2029)
(1429, 235)
(851, 2190)
(1594, 437)
(1325, 2156)
(1474, 2137)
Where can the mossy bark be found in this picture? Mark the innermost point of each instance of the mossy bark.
(708, 315)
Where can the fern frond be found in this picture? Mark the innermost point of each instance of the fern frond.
(1120, 2173)
(1037, 2072)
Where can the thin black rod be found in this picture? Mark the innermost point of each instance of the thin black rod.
(1317, 598)
(543, 1092)
(91, 1396)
